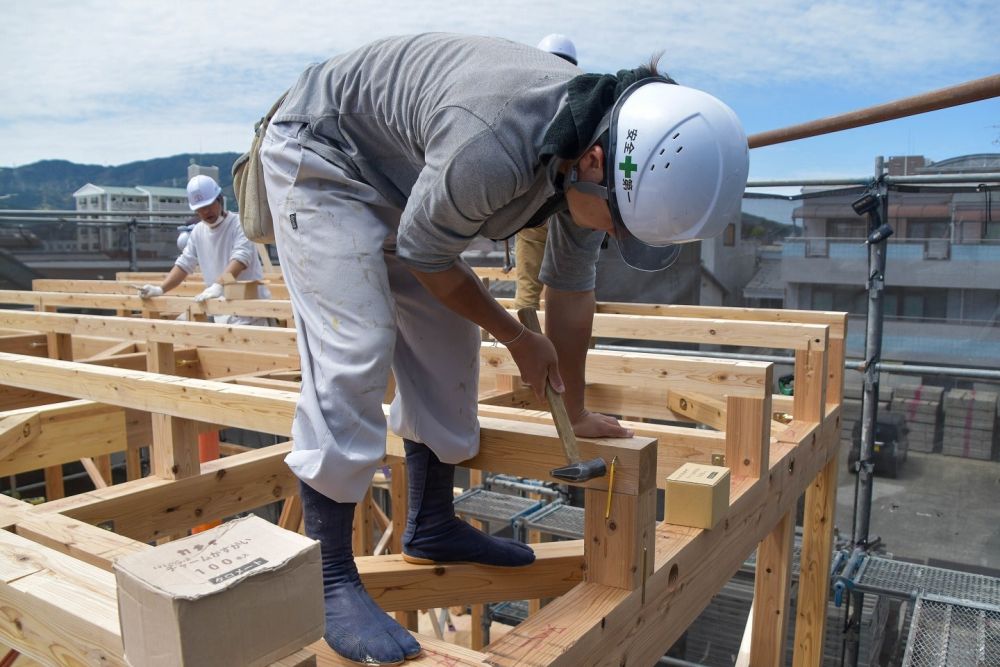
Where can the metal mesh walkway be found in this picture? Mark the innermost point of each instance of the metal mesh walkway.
(556, 519)
(948, 632)
(893, 577)
(483, 505)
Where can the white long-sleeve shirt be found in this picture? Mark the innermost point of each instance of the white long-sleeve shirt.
(212, 249)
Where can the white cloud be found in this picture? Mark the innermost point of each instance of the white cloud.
(117, 77)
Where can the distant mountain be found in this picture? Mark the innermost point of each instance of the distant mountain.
(50, 184)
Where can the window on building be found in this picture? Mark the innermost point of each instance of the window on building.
(992, 230)
(981, 304)
(928, 229)
(846, 228)
(914, 303)
(822, 299)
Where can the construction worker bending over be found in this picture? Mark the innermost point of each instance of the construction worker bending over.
(529, 246)
(381, 166)
(218, 246)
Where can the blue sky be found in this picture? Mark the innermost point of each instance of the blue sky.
(113, 82)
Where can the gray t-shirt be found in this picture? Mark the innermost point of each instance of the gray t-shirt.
(447, 128)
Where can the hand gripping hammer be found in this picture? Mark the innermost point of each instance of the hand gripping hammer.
(576, 470)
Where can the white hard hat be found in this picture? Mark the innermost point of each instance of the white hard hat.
(202, 191)
(561, 45)
(676, 166)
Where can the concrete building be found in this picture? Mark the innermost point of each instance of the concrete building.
(113, 238)
(942, 297)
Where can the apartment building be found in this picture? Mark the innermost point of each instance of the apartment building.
(942, 277)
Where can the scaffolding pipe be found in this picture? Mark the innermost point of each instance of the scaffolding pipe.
(922, 179)
(943, 98)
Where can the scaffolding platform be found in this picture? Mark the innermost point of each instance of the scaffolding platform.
(556, 518)
(492, 506)
(884, 576)
(945, 631)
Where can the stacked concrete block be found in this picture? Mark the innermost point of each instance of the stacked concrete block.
(851, 407)
(970, 423)
(921, 405)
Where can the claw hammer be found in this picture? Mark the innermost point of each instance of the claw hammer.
(575, 470)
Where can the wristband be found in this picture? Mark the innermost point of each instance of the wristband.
(515, 338)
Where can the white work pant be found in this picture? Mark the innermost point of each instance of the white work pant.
(358, 312)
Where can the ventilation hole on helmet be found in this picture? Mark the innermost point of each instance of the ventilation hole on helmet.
(652, 166)
(680, 148)
(677, 135)
(666, 166)
(662, 151)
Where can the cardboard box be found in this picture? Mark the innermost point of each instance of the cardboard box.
(244, 593)
(697, 495)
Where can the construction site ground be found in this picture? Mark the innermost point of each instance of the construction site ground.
(940, 511)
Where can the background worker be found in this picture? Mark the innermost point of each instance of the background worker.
(218, 246)
(529, 245)
(381, 166)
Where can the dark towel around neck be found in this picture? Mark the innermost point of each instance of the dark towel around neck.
(589, 96)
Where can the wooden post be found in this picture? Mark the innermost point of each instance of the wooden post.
(748, 434)
(362, 536)
(60, 346)
(814, 565)
(772, 585)
(398, 491)
(479, 633)
(618, 545)
(174, 452)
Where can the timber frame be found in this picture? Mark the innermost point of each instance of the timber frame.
(79, 387)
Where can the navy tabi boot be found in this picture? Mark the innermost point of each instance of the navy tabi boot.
(434, 534)
(356, 627)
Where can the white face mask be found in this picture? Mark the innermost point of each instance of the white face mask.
(218, 221)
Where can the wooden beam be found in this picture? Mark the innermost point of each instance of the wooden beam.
(64, 432)
(194, 334)
(57, 609)
(698, 408)
(264, 410)
(709, 331)
(397, 585)
(90, 544)
(150, 508)
(663, 371)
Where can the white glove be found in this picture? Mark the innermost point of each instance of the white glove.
(147, 291)
(213, 291)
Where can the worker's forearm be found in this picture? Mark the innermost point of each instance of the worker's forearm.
(569, 320)
(173, 279)
(460, 290)
(234, 268)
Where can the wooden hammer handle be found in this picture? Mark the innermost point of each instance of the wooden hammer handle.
(564, 427)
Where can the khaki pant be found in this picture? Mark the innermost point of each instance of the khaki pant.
(529, 249)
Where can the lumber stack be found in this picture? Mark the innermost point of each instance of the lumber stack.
(970, 427)
(921, 405)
